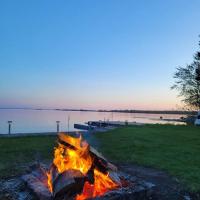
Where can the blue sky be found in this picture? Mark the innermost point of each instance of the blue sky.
(95, 53)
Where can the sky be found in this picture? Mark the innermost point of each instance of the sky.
(95, 54)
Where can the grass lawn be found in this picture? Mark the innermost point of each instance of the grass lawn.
(175, 149)
(17, 152)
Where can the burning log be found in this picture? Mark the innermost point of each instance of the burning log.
(78, 172)
(38, 187)
(90, 175)
(115, 177)
(52, 175)
(37, 181)
(67, 184)
(39, 172)
(78, 167)
(99, 160)
(74, 143)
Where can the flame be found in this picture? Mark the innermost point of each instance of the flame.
(49, 182)
(78, 157)
(102, 184)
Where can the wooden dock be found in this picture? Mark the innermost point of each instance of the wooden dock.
(112, 123)
(102, 126)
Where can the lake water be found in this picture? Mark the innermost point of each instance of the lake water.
(32, 121)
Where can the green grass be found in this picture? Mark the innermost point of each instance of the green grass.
(175, 149)
(18, 152)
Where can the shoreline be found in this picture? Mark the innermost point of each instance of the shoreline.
(171, 112)
(6, 135)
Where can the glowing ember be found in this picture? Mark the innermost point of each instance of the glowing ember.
(102, 184)
(75, 154)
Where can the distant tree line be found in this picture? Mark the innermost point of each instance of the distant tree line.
(152, 111)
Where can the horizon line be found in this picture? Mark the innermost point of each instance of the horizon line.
(97, 110)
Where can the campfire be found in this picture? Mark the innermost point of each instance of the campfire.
(79, 171)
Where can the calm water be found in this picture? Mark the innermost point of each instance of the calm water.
(30, 121)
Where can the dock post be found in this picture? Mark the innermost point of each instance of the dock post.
(58, 126)
(68, 120)
(9, 127)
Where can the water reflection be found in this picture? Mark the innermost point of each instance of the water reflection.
(30, 121)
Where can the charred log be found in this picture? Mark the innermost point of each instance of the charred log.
(114, 176)
(38, 187)
(68, 184)
(53, 173)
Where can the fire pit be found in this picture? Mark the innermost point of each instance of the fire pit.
(79, 172)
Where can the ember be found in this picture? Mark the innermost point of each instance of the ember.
(79, 171)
